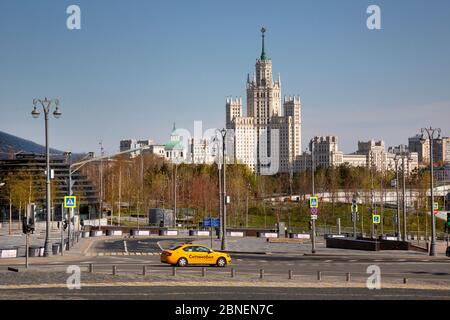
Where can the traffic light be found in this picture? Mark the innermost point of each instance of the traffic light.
(310, 225)
(65, 224)
(24, 225)
(447, 225)
(27, 227)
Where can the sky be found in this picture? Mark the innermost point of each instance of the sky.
(136, 67)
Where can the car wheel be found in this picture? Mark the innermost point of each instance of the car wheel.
(221, 262)
(182, 262)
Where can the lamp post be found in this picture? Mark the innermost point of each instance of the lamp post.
(402, 154)
(313, 221)
(101, 186)
(372, 193)
(216, 149)
(46, 106)
(70, 211)
(431, 136)
(396, 159)
(223, 133)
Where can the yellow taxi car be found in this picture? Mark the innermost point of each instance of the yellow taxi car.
(187, 254)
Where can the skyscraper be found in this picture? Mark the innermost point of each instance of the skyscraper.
(268, 138)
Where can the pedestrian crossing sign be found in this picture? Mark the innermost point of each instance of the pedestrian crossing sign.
(70, 202)
(376, 218)
(314, 202)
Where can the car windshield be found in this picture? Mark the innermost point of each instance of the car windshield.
(174, 247)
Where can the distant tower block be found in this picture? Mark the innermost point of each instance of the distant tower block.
(264, 113)
(233, 110)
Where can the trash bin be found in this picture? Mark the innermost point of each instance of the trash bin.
(34, 251)
(55, 248)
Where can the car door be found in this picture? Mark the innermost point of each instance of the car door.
(190, 254)
(207, 257)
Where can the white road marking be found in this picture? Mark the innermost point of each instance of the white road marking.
(328, 260)
(354, 260)
(125, 246)
(159, 246)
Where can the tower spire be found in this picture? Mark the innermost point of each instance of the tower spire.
(263, 53)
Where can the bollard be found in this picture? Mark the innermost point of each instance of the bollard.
(114, 270)
(144, 270)
(203, 272)
(91, 268)
(348, 277)
(261, 274)
(174, 271)
(232, 272)
(405, 281)
(319, 275)
(290, 274)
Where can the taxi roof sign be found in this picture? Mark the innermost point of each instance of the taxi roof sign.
(70, 201)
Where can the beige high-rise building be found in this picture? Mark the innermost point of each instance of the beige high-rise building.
(421, 146)
(269, 135)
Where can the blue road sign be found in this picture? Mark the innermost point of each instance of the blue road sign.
(215, 222)
(376, 218)
(314, 202)
(70, 201)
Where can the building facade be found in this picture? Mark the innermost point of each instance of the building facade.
(27, 171)
(270, 133)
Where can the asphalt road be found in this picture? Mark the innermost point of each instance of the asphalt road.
(416, 268)
(274, 265)
(225, 293)
(137, 244)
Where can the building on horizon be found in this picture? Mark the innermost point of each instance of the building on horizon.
(441, 149)
(265, 115)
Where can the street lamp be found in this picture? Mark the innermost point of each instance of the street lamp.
(396, 160)
(219, 165)
(313, 221)
(46, 106)
(431, 137)
(223, 134)
(68, 155)
(402, 155)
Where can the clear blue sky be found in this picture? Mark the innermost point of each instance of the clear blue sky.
(136, 67)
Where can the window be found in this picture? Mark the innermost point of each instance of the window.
(190, 249)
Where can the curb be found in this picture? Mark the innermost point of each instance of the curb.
(103, 254)
(243, 252)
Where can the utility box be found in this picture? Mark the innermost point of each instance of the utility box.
(162, 218)
(281, 230)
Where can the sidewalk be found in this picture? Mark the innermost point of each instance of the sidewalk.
(76, 252)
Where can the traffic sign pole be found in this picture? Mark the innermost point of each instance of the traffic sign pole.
(313, 204)
(354, 217)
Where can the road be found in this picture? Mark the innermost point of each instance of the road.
(222, 293)
(422, 272)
